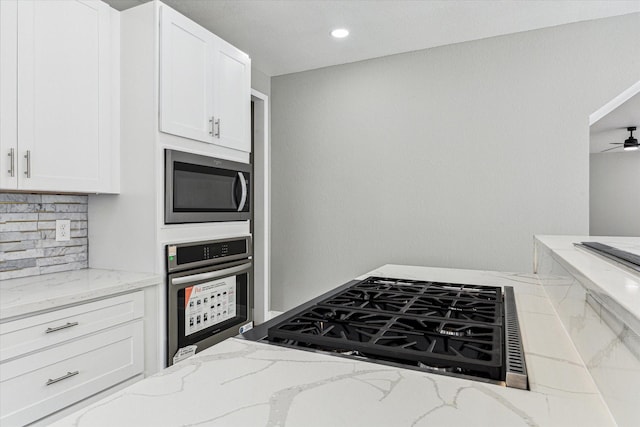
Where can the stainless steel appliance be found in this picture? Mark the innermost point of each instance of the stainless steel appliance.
(463, 330)
(205, 189)
(209, 293)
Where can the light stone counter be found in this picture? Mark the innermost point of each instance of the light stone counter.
(244, 383)
(613, 284)
(28, 295)
(598, 302)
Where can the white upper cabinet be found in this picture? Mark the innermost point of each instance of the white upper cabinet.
(232, 95)
(65, 88)
(186, 77)
(8, 93)
(205, 84)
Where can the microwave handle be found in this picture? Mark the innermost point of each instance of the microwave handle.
(243, 198)
(210, 275)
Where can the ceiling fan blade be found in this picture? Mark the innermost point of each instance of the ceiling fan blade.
(616, 143)
(609, 149)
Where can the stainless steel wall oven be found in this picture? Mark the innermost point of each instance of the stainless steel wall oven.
(205, 189)
(209, 293)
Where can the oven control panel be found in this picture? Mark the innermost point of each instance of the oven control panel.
(190, 255)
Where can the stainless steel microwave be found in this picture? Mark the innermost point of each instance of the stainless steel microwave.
(205, 189)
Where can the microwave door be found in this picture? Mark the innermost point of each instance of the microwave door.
(205, 189)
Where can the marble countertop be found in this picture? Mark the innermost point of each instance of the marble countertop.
(615, 285)
(245, 383)
(27, 295)
(594, 298)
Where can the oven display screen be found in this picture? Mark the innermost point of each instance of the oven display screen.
(209, 304)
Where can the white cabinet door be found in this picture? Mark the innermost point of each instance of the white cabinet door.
(232, 95)
(205, 84)
(51, 360)
(33, 333)
(8, 101)
(186, 77)
(42, 383)
(63, 95)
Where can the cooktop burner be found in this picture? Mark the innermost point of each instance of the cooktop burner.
(461, 329)
(460, 302)
(429, 341)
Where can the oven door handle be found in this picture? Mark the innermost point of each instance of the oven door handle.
(243, 198)
(210, 275)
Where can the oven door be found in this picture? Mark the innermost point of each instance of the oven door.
(207, 305)
(205, 189)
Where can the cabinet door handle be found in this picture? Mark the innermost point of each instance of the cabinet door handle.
(59, 328)
(217, 128)
(28, 170)
(12, 170)
(213, 126)
(64, 377)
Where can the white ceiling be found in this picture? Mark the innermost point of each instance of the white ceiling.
(287, 36)
(612, 128)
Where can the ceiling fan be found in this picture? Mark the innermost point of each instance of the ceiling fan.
(629, 144)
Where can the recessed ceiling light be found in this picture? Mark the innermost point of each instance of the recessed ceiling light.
(340, 33)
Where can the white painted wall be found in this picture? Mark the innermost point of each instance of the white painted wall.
(453, 156)
(614, 194)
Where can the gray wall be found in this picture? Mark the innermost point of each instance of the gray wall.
(453, 156)
(28, 245)
(614, 194)
(260, 81)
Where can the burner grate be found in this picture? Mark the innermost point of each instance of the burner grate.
(472, 303)
(440, 327)
(451, 290)
(464, 309)
(433, 342)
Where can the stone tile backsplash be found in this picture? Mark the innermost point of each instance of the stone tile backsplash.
(28, 245)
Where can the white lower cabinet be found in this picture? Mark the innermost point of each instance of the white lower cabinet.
(103, 347)
(43, 330)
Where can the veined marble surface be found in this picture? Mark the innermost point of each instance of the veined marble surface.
(597, 324)
(244, 383)
(28, 295)
(612, 284)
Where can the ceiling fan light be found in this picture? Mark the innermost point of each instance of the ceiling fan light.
(631, 143)
(340, 33)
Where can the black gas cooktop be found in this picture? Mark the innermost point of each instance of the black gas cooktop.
(457, 329)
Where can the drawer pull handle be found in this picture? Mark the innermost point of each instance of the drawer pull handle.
(64, 377)
(58, 328)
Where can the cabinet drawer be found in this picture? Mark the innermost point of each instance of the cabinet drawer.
(37, 385)
(33, 333)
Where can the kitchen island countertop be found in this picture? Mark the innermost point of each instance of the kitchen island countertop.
(615, 286)
(598, 301)
(245, 383)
